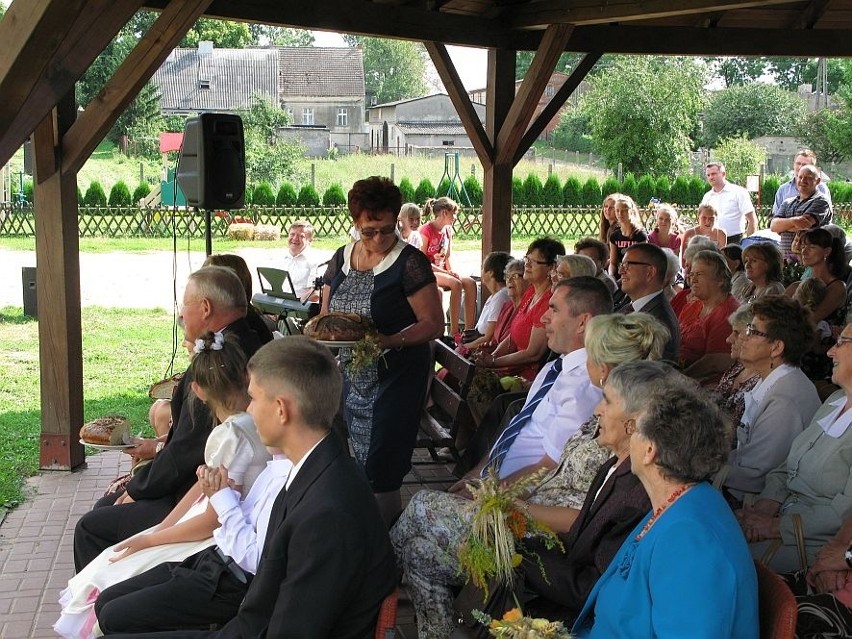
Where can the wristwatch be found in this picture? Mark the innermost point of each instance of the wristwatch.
(848, 556)
(161, 445)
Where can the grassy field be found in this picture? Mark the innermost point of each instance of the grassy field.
(343, 171)
(124, 352)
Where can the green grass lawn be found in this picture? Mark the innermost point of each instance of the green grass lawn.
(124, 352)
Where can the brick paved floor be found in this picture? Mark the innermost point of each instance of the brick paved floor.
(36, 557)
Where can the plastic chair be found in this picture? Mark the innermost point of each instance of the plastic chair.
(777, 605)
(386, 623)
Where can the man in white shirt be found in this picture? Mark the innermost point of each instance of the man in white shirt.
(300, 260)
(736, 214)
(326, 561)
(570, 400)
(208, 586)
(789, 189)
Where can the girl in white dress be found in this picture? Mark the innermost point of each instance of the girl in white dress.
(219, 379)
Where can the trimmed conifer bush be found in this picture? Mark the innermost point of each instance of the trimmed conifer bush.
(263, 195)
(592, 192)
(143, 190)
(551, 192)
(119, 194)
(407, 190)
(424, 191)
(473, 189)
(308, 196)
(334, 196)
(572, 192)
(95, 195)
(286, 195)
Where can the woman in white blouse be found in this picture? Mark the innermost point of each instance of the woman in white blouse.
(783, 401)
(494, 279)
(815, 481)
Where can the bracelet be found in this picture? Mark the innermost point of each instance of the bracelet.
(402, 345)
(159, 447)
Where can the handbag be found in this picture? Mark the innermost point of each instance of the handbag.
(500, 599)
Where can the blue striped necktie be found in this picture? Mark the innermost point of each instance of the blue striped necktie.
(510, 434)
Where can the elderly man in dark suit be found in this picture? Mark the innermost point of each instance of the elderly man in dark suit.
(643, 274)
(214, 300)
(327, 562)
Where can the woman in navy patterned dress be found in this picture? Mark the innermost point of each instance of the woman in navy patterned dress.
(388, 281)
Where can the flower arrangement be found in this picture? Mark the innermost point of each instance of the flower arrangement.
(366, 352)
(499, 526)
(514, 625)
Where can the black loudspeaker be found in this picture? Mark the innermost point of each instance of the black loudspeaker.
(212, 165)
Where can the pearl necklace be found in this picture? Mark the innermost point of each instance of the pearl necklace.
(672, 499)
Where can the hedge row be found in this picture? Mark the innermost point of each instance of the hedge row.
(686, 191)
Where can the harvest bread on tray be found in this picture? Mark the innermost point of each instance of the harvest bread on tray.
(338, 327)
(113, 430)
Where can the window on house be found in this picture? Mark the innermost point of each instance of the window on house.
(307, 116)
(290, 113)
(343, 116)
(448, 142)
(548, 91)
(204, 84)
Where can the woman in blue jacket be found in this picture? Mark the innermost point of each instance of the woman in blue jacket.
(686, 570)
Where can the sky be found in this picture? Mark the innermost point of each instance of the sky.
(470, 63)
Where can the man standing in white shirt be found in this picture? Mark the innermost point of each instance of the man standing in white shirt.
(300, 260)
(732, 202)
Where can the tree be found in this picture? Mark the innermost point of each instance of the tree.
(407, 190)
(572, 192)
(818, 130)
(119, 194)
(591, 192)
(551, 192)
(572, 132)
(752, 110)
(741, 157)
(267, 34)
(286, 195)
(642, 111)
(738, 71)
(789, 73)
(473, 189)
(268, 158)
(334, 196)
(222, 33)
(393, 69)
(308, 196)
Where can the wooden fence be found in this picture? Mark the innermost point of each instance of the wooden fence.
(527, 221)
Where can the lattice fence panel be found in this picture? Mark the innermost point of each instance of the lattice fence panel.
(527, 222)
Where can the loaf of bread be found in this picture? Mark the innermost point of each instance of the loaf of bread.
(113, 430)
(338, 327)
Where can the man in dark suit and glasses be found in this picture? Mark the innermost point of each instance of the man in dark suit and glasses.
(643, 275)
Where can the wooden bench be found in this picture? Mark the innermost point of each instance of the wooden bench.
(447, 420)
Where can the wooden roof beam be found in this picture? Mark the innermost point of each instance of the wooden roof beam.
(639, 40)
(578, 74)
(540, 14)
(67, 61)
(455, 89)
(551, 47)
(363, 17)
(811, 15)
(148, 55)
(30, 32)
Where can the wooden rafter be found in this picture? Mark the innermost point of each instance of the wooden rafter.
(557, 11)
(557, 101)
(552, 44)
(150, 52)
(639, 40)
(89, 31)
(455, 89)
(811, 15)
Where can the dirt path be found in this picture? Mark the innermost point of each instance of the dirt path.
(147, 280)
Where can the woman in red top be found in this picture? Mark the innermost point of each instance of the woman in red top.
(437, 235)
(704, 327)
(522, 352)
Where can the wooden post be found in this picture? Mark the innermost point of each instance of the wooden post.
(58, 284)
(497, 177)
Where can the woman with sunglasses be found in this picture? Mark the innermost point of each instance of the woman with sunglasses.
(813, 484)
(523, 351)
(783, 401)
(388, 281)
(437, 237)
